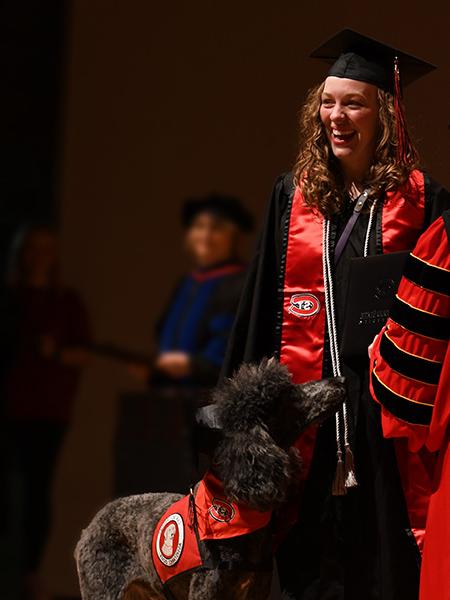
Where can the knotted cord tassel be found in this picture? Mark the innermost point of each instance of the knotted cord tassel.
(338, 488)
(350, 477)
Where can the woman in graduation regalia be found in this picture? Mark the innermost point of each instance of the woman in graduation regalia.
(410, 378)
(350, 533)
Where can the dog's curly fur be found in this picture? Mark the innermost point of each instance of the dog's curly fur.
(261, 412)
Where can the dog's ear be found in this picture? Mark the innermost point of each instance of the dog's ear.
(321, 399)
(254, 470)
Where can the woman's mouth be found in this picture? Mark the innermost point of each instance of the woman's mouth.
(342, 137)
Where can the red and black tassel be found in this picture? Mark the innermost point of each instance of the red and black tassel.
(406, 152)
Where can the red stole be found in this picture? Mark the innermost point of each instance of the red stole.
(303, 330)
(403, 215)
(303, 327)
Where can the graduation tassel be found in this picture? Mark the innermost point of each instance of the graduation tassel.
(338, 488)
(406, 153)
(350, 478)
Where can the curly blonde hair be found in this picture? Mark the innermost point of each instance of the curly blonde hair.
(318, 171)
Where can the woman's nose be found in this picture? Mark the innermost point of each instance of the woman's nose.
(337, 114)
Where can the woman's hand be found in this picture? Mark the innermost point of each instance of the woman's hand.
(174, 364)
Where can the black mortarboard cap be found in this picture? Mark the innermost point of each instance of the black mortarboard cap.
(356, 56)
(225, 207)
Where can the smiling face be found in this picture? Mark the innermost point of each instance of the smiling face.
(349, 112)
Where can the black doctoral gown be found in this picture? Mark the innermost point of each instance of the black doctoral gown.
(360, 546)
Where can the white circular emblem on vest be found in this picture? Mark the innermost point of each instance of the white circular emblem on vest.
(304, 305)
(170, 540)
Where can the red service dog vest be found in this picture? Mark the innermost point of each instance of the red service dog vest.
(207, 515)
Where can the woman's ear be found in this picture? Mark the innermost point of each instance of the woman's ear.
(253, 469)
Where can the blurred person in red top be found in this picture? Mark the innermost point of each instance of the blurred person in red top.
(46, 332)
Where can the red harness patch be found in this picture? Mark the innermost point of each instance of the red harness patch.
(175, 548)
(176, 545)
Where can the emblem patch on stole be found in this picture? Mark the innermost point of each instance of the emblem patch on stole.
(170, 540)
(304, 305)
(221, 510)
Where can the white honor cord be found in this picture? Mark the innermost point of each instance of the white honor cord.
(332, 333)
(345, 478)
(329, 300)
(369, 227)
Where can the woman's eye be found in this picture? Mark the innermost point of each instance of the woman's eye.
(354, 104)
(327, 103)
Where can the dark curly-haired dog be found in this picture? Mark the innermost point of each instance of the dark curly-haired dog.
(215, 543)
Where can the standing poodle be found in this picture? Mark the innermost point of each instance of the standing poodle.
(216, 542)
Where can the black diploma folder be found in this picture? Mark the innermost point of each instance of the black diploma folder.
(373, 283)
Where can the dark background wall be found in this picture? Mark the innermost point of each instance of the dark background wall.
(32, 57)
(165, 100)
